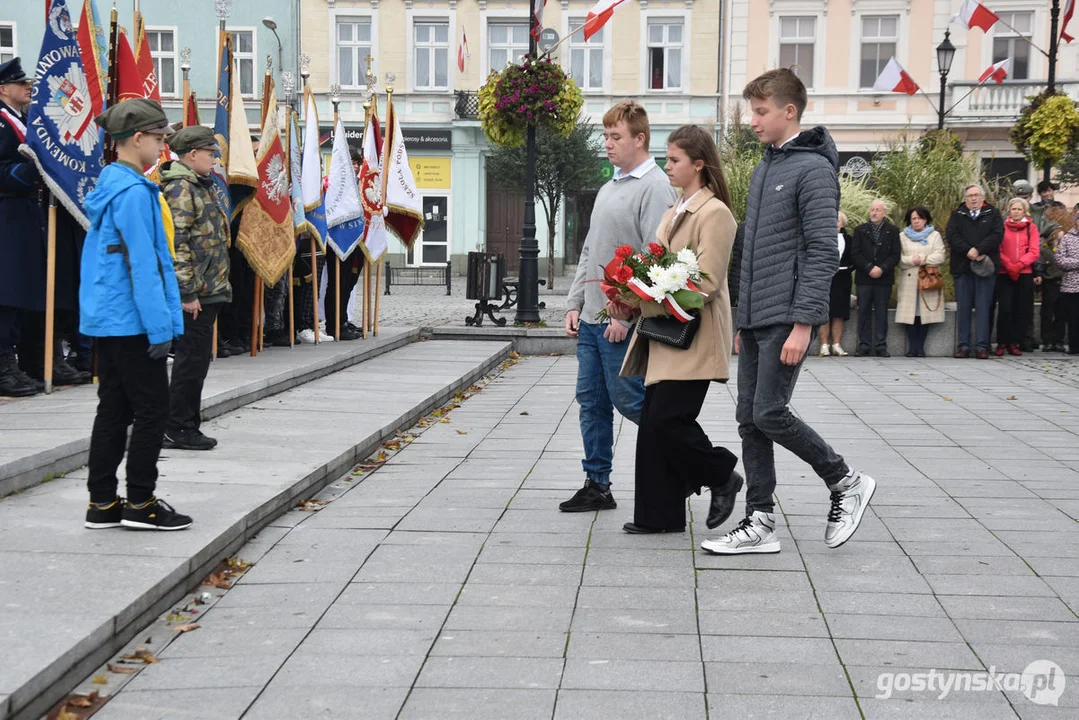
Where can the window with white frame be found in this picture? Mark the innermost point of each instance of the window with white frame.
(431, 41)
(353, 47)
(586, 57)
(880, 34)
(243, 59)
(797, 45)
(506, 42)
(163, 51)
(1009, 43)
(665, 54)
(7, 42)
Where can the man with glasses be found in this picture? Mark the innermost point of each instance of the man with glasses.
(975, 230)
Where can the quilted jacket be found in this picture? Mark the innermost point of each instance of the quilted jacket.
(789, 257)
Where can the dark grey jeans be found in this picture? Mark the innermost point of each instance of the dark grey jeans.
(765, 386)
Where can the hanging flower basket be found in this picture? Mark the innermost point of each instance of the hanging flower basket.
(1047, 128)
(536, 92)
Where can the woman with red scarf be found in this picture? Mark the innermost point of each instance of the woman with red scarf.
(1015, 283)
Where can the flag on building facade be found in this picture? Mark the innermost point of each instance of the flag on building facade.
(537, 17)
(311, 173)
(462, 52)
(895, 79)
(344, 211)
(61, 136)
(404, 205)
(266, 236)
(94, 48)
(973, 14)
(1065, 18)
(997, 72)
(375, 237)
(598, 16)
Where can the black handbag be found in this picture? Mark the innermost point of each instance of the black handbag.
(669, 330)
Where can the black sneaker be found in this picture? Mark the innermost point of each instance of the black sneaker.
(100, 516)
(350, 332)
(154, 514)
(206, 438)
(589, 498)
(187, 440)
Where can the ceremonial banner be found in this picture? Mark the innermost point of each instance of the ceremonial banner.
(221, 125)
(299, 222)
(128, 81)
(191, 114)
(94, 48)
(266, 236)
(375, 238)
(404, 206)
(151, 87)
(243, 172)
(344, 211)
(61, 137)
(311, 180)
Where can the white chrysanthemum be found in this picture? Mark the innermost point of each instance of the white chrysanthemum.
(688, 258)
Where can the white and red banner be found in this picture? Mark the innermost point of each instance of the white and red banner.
(996, 72)
(537, 17)
(1065, 18)
(402, 200)
(895, 79)
(598, 16)
(462, 52)
(642, 290)
(973, 14)
(375, 235)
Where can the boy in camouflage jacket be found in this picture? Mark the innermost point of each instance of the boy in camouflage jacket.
(202, 270)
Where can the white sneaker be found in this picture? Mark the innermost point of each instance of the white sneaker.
(824, 351)
(755, 534)
(850, 498)
(838, 350)
(308, 336)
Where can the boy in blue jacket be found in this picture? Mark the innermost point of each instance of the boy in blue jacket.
(130, 301)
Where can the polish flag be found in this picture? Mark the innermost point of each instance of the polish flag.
(598, 16)
(997, 72)
(895, 79)
(973, 14)
(462, 52)
(537, 17)
(1069, 10)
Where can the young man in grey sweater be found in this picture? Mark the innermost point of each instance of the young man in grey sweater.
(628, 211)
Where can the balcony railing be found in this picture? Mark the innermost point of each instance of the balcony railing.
(992, 102)
(467, 105)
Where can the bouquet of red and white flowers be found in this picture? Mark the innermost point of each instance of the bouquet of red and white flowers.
(654, 275)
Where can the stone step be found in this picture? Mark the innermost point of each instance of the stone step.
(48, 435)
(71, 597)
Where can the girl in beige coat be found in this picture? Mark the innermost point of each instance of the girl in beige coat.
(675, 458)
(920, 246)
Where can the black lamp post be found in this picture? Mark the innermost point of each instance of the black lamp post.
(270, 25)
(528, 275)
(945, 55)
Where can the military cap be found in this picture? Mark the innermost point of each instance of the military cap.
(1023, 188)
(12, 72)
(126, 118)
(191, 138)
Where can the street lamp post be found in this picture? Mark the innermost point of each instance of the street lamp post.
(945, 55)
(270, 25)
(528, 275)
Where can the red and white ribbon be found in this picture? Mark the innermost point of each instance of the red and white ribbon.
(641, 290)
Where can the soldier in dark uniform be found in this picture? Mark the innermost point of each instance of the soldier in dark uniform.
(22, 242)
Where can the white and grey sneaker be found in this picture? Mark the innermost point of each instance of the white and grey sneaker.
(755, 534)
(850, 498)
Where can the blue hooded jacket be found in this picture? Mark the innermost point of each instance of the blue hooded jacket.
(128, 284)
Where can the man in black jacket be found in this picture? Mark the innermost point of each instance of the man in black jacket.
(975, 230)
(875, 253)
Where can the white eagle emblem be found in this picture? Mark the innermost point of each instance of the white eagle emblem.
(371, 189)
(60, 21)
(69, 109)
(276, 183)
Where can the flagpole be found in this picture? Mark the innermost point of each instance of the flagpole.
(50, 295)
(1024, 37)
(1054, 43)
(305, 73)
(287, 81)
(390, 78)
(256, 302)
(335, 100)
(372, 100)
(563, 39)
(366, 263)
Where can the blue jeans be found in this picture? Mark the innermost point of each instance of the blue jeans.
(765, 386)
(972, 292)
(599, 392)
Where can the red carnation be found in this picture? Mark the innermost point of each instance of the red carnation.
(623, 274)
(655, 248)
(623, 252)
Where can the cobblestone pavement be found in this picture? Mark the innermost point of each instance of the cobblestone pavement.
(446, 584)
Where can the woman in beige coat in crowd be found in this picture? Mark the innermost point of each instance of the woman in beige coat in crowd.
(920, 246)
(675, 458)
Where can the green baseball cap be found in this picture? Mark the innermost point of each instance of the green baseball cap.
(128, 117)
(191, 138)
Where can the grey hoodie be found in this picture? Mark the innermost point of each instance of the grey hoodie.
(790, 256)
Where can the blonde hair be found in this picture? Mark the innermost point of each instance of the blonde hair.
(1021, 201)
(843, 218)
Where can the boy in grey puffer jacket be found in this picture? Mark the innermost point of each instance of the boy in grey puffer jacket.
(788, 261)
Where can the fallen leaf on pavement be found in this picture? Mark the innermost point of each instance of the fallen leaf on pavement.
(142, 654)
(1011, 397)
(100, 680)
(306, 506)
(65, 715)
(81, 701)
(462, 432)
(120, 669)
(947, 399)
(444, 420)
(381, 457)
(185, 628)
(393, 445)
(525, 412)
(219, 580)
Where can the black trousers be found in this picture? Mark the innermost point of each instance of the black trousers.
(275, 304)
(193, 352)
(9, 329)
(234, 322)
(1013, 299)
(31, 347)
(1053, 321)
(132, 389)
(1070, 303)
(916, 335)
(674, 455)
(349, 276)
(303, 290)
(873, 316)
